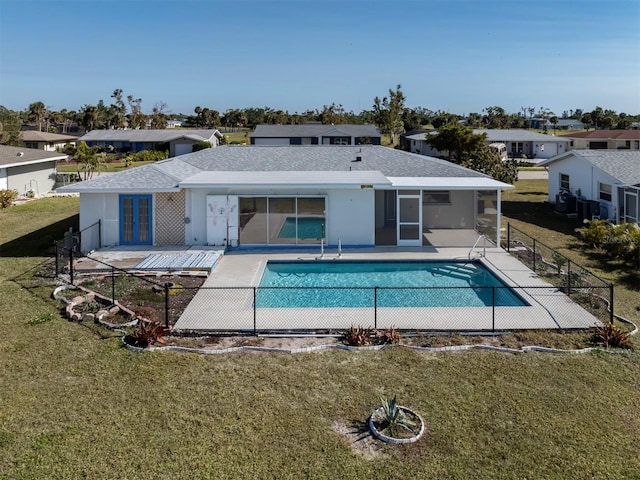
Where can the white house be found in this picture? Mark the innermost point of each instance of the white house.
(28, 170)
(49, 142)
(288, 196)
(601, 183)
(316, 134)
(176, 141)
(525, 144)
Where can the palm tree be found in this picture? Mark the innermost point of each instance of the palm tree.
(37, 112)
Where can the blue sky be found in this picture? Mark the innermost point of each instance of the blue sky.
(455, 55)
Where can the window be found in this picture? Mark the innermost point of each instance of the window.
(605, 191)
(436, 197)
(564, 182)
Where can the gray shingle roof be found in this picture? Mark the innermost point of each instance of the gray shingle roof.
(168, 173)
(10, 156)
(314, 130)
(623, 165)
(517, 135)
(146, 135)
(35, 136)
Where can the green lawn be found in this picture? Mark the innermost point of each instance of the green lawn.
(75, 404)
(69, 167)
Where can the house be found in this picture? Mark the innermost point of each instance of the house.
(175, 141)
(275, 196)
(28, 170)
(49, 142)
(524, 144)
(596, 183)
(605, 140)
(569, 124)
(315, 134)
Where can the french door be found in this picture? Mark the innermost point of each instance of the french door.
(135, 220)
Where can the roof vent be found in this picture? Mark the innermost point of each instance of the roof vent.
(21, 154)
(358, 159)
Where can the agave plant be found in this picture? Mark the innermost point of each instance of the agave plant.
(393, 418)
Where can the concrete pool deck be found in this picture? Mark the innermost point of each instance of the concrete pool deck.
(224, 303)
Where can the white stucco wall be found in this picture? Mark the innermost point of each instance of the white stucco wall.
(350, 213)
(583, 181)
(104, 207)
(39, 177)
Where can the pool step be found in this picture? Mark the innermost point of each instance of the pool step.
(457, 271)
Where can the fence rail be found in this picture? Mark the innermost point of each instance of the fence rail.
(574, 298)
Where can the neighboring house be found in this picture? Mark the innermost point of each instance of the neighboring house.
(569, 124)
(28, 170)
(524, 144)
(596, 183)
(49, 142)
(176, 142)
(605, 140)
(316, 134)
(288, 196)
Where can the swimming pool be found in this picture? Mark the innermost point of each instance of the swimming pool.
(347, 283)
(308, 227)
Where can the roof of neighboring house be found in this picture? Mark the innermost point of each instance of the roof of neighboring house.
(149, 135)
(623, 165)
(517, 135)
(314, 130)
(563, 122)
(502, 135)
(606, 135)
(300, 163)
(14, 156)
(35, 136)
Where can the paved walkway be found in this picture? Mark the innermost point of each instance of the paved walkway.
(226, 303)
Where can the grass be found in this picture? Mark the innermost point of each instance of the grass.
(526, 208)
(76, 404)
(111, 167)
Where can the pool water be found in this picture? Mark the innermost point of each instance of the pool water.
(308, 227)
(346, 283)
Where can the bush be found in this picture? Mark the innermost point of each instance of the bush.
(201, 146)
(147, 333)
(360, 336)
(618, 242)
(147, 156)
(611, 336)
(7, 197)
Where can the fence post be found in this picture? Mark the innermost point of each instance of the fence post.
(611, 316)
(534, 255)
(508, 237)
(375, 307)
(57, 257)
(71, 265)
(166, 304)
(493, 309)
(113, 285)
(568, 277)
(255, 325)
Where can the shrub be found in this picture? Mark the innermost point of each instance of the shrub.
(359, 336)
(148, 332)
(7, 197)
(201, 146)
(611, 336)
(596, 232)
(388, 336)
(393, 419)
(147, 156)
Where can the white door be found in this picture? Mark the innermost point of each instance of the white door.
(216, 219)
(409, 226)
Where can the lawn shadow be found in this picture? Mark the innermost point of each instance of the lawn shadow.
(41, 241)
(541, 215)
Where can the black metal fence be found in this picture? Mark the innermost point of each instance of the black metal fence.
(574, 298)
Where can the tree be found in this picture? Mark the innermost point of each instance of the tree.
(137, 119)
(487, 161)
(457, 140)
(88, 159)
(159, 117)
(10, 128)
(118, 110)
(37, 113)
(496, 117)
(388, 113)
(89, 117)
(554, 122)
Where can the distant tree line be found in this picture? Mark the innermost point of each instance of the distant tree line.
(388, 113)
